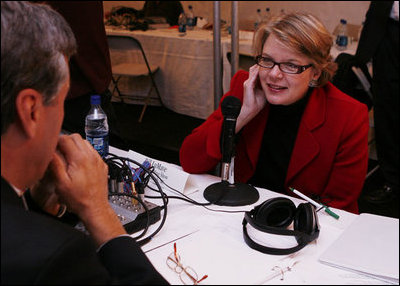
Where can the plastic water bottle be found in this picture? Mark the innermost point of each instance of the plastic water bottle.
(96, 126)
(190, 18)
(182, 22)
(342, 37)
(258, 19)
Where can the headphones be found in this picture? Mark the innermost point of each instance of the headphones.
(274, 216)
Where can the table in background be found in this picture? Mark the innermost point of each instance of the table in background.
(186, 76)
(351, 49)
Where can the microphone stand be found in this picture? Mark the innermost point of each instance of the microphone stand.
(229, 193)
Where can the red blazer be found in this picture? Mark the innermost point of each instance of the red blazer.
(330, 154)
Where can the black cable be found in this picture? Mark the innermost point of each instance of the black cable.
(188, 199)
(178, 198)
(198, 204)
(163, 196)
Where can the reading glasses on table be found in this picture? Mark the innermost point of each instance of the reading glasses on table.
(187, 274)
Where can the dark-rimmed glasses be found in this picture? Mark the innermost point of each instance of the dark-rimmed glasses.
(284, 67)
(187, 274)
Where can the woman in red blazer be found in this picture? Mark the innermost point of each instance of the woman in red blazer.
(295, 129)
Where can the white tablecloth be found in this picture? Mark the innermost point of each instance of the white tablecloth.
(351, 49)
(186, 76)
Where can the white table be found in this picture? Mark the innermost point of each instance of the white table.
(212, 243)
(185, 79)
(351, 49)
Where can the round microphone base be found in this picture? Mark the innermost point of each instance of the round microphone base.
(226, 194)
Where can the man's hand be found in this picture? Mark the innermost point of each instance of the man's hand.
(81, 175)
(81, 184)
(43, 193)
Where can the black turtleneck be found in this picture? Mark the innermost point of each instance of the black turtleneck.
(277, 145)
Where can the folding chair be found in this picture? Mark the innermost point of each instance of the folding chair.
(127, 43)
(353, 78)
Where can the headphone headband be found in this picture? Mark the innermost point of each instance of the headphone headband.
(271, 229)
(306, 228)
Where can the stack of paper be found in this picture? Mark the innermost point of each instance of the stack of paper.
(369, 246)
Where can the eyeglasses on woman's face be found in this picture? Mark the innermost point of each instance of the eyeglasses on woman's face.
(285, 67)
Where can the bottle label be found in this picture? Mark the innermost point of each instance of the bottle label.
(341, 41)
(182, 28)
(99, 143)
(190, 22)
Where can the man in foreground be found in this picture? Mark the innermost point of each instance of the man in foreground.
(43, 172)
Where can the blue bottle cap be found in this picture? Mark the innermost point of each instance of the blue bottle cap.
(95, 99)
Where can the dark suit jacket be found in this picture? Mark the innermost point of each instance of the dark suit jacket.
(374, 29)
(90, 67)
(38, 249)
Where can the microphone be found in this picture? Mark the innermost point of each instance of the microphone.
(230, 108)
(227, 192)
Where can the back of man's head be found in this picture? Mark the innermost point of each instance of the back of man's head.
(35, 40)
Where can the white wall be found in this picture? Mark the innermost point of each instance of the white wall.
(330, 12)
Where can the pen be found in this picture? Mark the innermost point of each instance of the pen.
(317, 205)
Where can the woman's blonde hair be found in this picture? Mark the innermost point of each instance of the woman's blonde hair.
(304, 33)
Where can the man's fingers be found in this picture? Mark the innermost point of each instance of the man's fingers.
(59, 168)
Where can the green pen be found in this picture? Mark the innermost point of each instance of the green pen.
(317, 205)
(331, 213)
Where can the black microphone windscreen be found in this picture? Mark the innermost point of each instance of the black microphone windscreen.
(230, 106)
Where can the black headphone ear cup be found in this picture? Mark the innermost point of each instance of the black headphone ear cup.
(304, 220)
(275, 212)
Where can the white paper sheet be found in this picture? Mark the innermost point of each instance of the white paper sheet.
(369, 246)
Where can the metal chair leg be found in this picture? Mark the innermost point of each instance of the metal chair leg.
(156, 88)
(115, 82)
(142, 114)
(146, 102)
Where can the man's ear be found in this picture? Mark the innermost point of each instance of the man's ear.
(28, 107)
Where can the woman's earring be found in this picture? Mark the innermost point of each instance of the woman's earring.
(313, 83)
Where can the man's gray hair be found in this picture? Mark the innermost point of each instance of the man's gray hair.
(35, 40)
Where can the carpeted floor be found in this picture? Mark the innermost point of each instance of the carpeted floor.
(161, 133)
